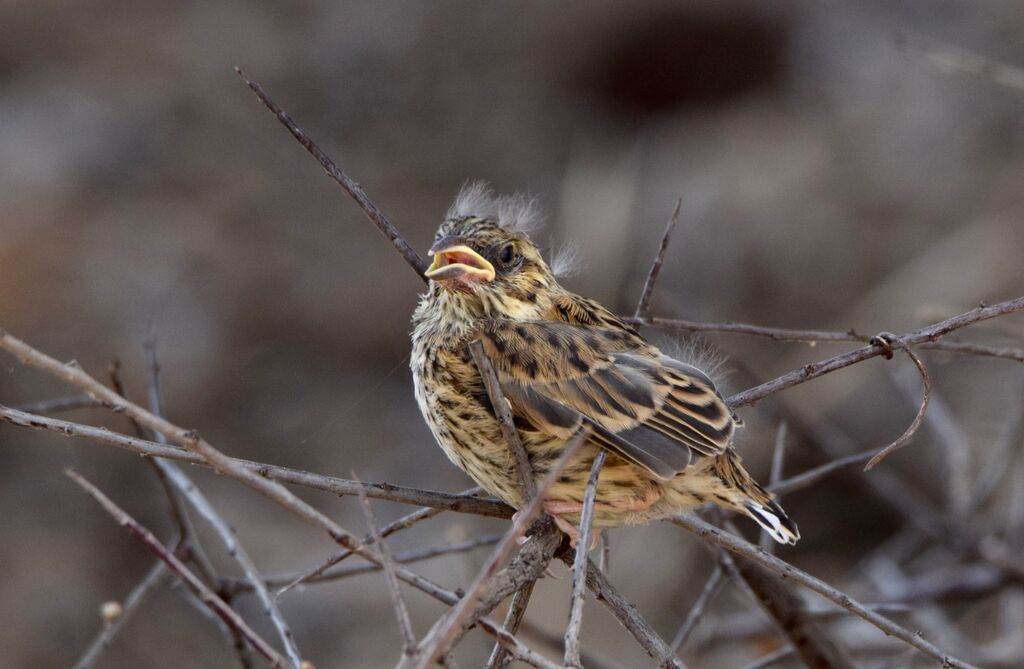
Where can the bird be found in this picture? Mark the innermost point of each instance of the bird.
(565, 363)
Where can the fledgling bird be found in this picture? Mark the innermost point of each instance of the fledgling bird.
(564, 361)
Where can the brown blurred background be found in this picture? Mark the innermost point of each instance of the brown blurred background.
(828, 179)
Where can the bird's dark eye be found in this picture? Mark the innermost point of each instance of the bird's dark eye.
(507, 254)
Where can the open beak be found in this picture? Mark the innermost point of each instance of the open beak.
(458, 261)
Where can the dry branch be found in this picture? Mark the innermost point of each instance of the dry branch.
(461, 503)
(909, 433)
(354, 190)
(697, 611)
(387, 564)
(135, 598)
(178, 568)
(449, 629)
(579, 566)
(926, 334)
(785, 570)
(503, 411)
(652, 275)
(814, 337)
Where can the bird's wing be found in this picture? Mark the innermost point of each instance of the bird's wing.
(641, 404)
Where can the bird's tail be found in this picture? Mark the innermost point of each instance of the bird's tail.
(752, 500)
(773, 520)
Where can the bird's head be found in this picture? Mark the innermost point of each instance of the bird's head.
(487, 260)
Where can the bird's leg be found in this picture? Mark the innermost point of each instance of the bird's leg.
(556, 507)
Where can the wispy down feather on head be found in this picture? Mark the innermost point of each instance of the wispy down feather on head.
(517, 213)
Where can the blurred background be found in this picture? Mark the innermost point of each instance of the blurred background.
(828, 178)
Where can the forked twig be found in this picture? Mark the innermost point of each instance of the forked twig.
(579, 566)
(442, 635)
(178, 568)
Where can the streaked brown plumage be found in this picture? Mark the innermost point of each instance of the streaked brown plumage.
(564, 361)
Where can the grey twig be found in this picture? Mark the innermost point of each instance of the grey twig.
(387, 564)
(740, 547)
(135, 598)
(234, 586)
(59, 404)
(909, 433)
(318, 573)
(221, 528)
(513, 619)
(628, 616)
(178, 568)
(814, 337)
(338, 486)
(778, 458)
(652, 276)
(711, 586)
(787, 612)
(926, 334)
(579, 566)
(448, 629)
(354, 190)
(951, 60)
(812, 476)
(524, 472)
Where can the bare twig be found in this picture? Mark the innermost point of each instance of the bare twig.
(233, 586)
(202, 506)
(771, 658)
(738, 546)
(909, 433)
(387, 564)
(59, 404)
(812, 476)
(403, 523)
(354, 190)
(605, 559)
(926, 334)
(524, 472)
(135, 598)
(652, 276)
(446, 631)
(238, 470)
(814, 337)
(778, 458)
(786, 610)
(628, 616)
(951, 60)
(697, 611)
(178, 568)
(338, 486)
(579, 566)
(513, 619)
